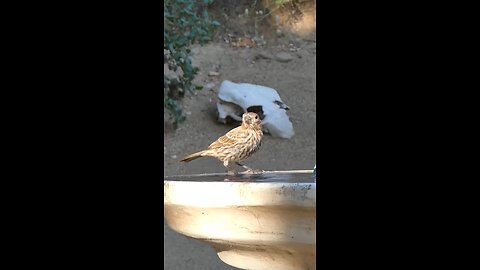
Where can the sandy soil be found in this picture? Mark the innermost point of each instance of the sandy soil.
(294, 80)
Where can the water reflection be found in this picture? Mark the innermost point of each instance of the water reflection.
(298, 176)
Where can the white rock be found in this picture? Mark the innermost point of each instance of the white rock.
(235, 98)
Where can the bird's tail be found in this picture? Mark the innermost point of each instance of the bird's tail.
(192, 156)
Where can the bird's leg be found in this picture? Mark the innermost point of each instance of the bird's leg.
(248, 169)
(244, 166)
(229, 171)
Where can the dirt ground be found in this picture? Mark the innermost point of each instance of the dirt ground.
(291, 74)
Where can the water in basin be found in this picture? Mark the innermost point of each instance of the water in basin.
(297, 176)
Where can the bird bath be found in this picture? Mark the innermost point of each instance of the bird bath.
(261, 221)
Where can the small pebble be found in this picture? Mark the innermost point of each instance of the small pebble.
(283, 57)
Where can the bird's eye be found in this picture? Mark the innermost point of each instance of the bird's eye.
(256, 116)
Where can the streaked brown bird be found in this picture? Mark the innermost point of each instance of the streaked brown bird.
(235, 146)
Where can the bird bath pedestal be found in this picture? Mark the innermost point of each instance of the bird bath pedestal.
(260, 222)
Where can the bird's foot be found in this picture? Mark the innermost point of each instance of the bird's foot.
(253, 171)
(232, 173)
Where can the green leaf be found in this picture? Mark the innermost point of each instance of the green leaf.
(188, 22)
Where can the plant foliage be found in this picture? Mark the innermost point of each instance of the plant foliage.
(185, 22)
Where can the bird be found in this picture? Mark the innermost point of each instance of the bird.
(236, 145)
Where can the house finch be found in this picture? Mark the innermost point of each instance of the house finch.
(235, 146)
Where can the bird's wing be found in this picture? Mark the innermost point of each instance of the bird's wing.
(228, 139)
